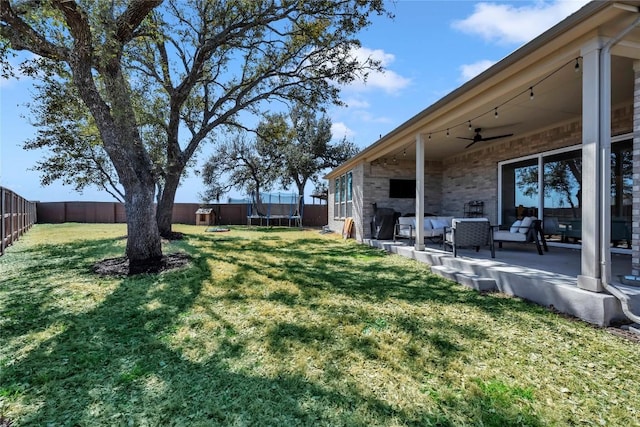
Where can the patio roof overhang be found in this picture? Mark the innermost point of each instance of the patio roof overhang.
(545, 66)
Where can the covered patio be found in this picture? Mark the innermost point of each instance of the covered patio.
(549, 132)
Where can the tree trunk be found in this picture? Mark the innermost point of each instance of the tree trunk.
(301, 186)
(144, 249)
(164, 213)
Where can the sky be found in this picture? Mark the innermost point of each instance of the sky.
(428, 50)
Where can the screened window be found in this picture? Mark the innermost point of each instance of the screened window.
(343, 206)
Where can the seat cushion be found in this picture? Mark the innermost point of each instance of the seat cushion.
(508, 236)
(407, 220)
(448, 237)
(439, 223)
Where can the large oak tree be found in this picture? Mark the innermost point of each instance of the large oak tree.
(240, 162)
(202, 61)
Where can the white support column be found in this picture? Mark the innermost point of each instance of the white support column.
(590, 277)
(419, 246)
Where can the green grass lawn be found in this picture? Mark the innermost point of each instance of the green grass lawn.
(277, 327)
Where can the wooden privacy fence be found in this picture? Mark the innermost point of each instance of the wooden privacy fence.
(183, 213)
(18, 215)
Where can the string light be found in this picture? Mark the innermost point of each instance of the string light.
(495, 109)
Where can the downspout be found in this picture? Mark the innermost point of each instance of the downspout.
(605, 149)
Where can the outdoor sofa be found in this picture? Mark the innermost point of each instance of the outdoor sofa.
(434, 226)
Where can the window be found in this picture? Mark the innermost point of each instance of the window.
(343, 197)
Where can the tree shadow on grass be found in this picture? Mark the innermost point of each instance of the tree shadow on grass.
(352, 270)
(114, 365)
(32, 287)
(117, 364)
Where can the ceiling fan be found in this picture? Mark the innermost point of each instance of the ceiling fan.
(478, 138)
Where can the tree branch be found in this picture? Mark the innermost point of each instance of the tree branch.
(24, 37)
(131, 18)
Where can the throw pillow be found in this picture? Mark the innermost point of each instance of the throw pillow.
(515, 227)
(526, 223)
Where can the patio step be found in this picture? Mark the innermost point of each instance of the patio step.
(470, 280)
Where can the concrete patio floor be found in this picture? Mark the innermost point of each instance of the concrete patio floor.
(518, 270)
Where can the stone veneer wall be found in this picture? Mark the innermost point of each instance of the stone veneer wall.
(473, 175)
(371, 185)
(331, 197)
(358, 188)
(376, 182)
(481, 165)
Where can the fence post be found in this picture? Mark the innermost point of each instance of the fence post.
(12, 220)
(21, 224)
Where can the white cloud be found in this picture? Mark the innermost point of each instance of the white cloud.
(506, 24)
(469, 71)
(367, 117)
(387, 80)
(356, 103)
(340, 130)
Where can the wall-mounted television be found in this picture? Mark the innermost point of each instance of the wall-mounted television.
(402, 188)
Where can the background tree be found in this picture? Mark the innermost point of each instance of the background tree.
(621, 178)
(203, 61)
(239, 163)
(300, 144)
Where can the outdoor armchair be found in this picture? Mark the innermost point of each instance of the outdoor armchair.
(469, 232)
(527, 230)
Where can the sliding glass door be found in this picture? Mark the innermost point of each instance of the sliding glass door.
(562, 209)
(556, 196)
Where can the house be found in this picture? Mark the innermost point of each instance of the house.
(541, 132)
